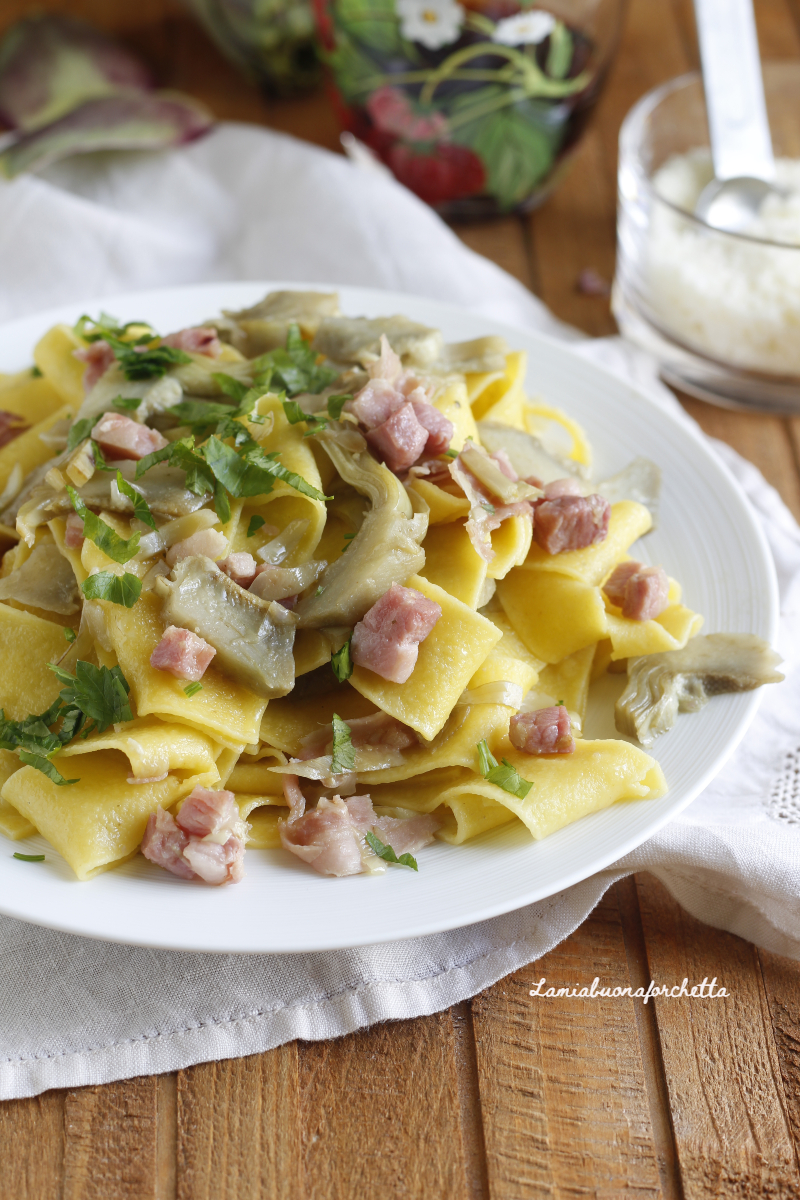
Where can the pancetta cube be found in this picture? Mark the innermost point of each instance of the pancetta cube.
(183, 654)
(387, 640)
(545, 731)
(641, 592)
(571, 522)
(120, 437)
(401, 440)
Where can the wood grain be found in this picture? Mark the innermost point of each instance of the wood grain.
(32, 1148)
(782, 985)
(726, 1094)
(110, 1141)
(562, 1084)
(382, 1116)
(238, 1129)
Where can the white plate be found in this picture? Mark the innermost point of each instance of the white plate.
(708, 538)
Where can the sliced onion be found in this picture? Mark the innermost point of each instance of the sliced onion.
(502, 691)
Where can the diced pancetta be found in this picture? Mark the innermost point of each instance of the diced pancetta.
(73, 534)
(571, 522)
(399, 441)
(293, 795)
(387, 639)
(562, 487)
(440, 429)
(209, 542)
(641, 592)
(240, 567)
(205, 842)
(197, 340)
(375, 403)
(11, 426)
(120, 437)
(407, 834)
(183, 654)
(98, 357)
(545, 731)
(388, 366)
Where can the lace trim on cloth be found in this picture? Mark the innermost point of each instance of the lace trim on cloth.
(783, 802)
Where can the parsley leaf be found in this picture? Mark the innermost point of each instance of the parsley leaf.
(43, 764)
(192, 689)
(99, 458)
(101, 693)
(489, 508)
(34, 742)
(103, 536)
(119, 589)
(148, 363)
(128, 403)
(387, 853)
(294, 413)
(29, 857)
(69, 634)
(344, 753)
(502, 775)
(141, 508)
(295, 368)
(80, 430)
(342, 663)
(451, 454)
(93, 329)
(337, 403)
(255, 524)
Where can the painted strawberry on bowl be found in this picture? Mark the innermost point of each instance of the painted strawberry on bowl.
(475, 106)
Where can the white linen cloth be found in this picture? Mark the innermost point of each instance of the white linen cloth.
(248, 204)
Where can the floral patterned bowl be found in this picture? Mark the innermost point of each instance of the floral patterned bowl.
(474, 106)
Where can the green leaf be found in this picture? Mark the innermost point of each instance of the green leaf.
(150, 363)
(337, 403)
(373, 23)
(119, 589)
(387, 853)
(344, 754)
(295, 367)
(294, 413)
(36, 373)
(192, 689)
(128, 403)
(93, 329)
(451, 454)
(99, 458)
(69, 634)
(141, 508)
(517, 146)
(31, 759)
(559, 55)
(80, 430)
(254, 525)
(503, 775)
(342, 663)
(100, 693)
(230, 386)
(199, 476)
(103, 536)
(32, 857)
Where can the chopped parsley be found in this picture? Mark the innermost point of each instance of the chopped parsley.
(119, 589)
(80, 430)
(451, 454)
(336, 404)
(503, 775)
(489, 508)
(342, 663)
(348, 538)
(94, 329)
(128, 403)
(294, 369)
(320, 590)
(344, 753)
(99, 693)
(36, 373)
(104, 537)
(139, 361)
(141, 508)
(192, 689)
(387, 853)
(69, 634)
(254, 525)
(28, 857)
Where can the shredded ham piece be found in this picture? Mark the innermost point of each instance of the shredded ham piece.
(98, 357)
(11, 426)
(294, 797)
(240, 567)
(196, 340)
(562, 487)
(73, 534)
(120, 437)
(440, 429)
(183, 654)
(203, 842)
(545, 731)
(387, 640)
(641, 592)
(571, 522)
(400, 440)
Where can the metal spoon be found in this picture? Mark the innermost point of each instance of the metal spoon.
(741, 146)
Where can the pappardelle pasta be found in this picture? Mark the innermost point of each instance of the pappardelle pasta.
(295, 579)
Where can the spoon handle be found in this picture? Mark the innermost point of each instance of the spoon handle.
(737, 113)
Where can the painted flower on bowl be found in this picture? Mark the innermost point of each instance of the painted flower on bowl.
(431, 23)
(525, 29)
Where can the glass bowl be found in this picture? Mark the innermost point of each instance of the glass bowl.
(273, 40)
(475, 106)
(720, 311)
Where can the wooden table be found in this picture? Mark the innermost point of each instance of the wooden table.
(503, 1096)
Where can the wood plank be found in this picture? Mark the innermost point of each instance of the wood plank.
(563, 1090)
(110, 1141)
(504, 241)
(720, 1059)
(380, 1113)
(166, 1136)
(238, 1129)
(782, 984)
(32, 1147)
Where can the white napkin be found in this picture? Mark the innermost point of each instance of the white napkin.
(245, 203)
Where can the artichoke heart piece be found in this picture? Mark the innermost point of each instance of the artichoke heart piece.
(45, 580)
(253, 638)
(662, 685)
(527, 454)
(385, 550)
(357, 339)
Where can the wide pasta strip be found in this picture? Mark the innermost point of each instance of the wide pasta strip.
(566, 682)
(12, 824)
(448, 658)
(457, 796)
(593, 564)
(569, 786)
(443, 507)
(453, 563)
(553, 614)
(263, 819)
(99, 821)
(510, 543)
(228, 712)
(509, 660)
(73, 554)
(288, 720)
(453, 402)
(311, 650)
(503, 400)
(29, 643)
(28, 449)
(55, 358)
(670, 630)
(152, 748)
(30, 397)
(454, 747)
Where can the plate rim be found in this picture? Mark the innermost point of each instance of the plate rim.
(488, 911)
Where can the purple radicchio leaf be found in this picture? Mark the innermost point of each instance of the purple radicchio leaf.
(132, 121)
(50, 64)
